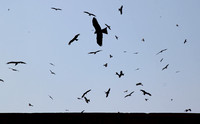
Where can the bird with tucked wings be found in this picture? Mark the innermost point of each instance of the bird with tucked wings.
(55, 8)
(129, 94)
(120, 74)
(145, 93)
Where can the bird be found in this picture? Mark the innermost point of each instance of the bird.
(13, 69)
(145, 93)
(139, 84)
(1, 80)
(161, 51)
(185, 41)
(98, 31)
(85, 93)
(146, 99)
(52, 64)
(108, 26)
(95, 52)
(125, 91)
(120, 74)
(111, 56)
(187, 110)
(105, 65)
(129, 94)
(82, 111)
(55, 8)
(74, 39)
(120, 9)
(161, 60)
(107, 92)
(87, 100)
(52, 72)
(30, 105)
(137, 69)
(143, 39)
(50, 97)
(116, 37)
(165, 67)
(90, 14)
(16, 62)
(177, 25)
(135, 53)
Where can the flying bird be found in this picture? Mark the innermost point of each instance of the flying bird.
(177, 25)
(161, 60)
(30, 105)
(187, 110)
(185, 41)
(129, 94)
(52, 72)
(137, 69)
(105, 65)
(13, 69)
(161, 51)
(90, 14)
(111, 56)
(125, 91)
(50, 97)
(145, 93)
(1, 80)
(74, 39)
(16, 62)
(107, 92)
(108, 26)
(116, 37)
(143, 39)
(120, 74)
(120, 9)
(135, 53)
(165, 67)
(87, 100)
(85, 93)
(139, 84)
(95, 52)
(146, 99)
(98, 31)
(55, 8)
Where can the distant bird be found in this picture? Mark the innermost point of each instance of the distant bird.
(187, 110)
(171, 99)
(111, 56)
(107, 92)
(146, 99)
(108, 26)
(161, 60)
(139, 84)
(90, 14)
(120, 9)
(74, 39)
(79, 98)
(120, 74)
(55, 8)
(30, 105)
(137, 69)
(52, 72)
(129, 94)
(52, 64)
(105, 65)
(116, 37)
(8, 9)
(135, 53)
(125, 91)
(125, 51)
(177, 25)
(98, 31)
(1, 80)
(145, 93)
(143, 39)
(185, 41)
(13, 69)
(165, 67)
(50, 97)
(85, 93)
(16, 62)
(177, 71)
(161, 51)
(87, 100)
(95, 52)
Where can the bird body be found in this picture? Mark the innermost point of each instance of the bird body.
(55, 8)
(129, 94)
(145, 93)
(52, 72)
(1, 80)
(105, 65)
(74, 39)
(13, 69)
(108, 26)
(185, 41)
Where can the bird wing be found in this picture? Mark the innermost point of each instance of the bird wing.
(99, 38)
(85, 93)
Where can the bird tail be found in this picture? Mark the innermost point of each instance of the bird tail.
(104, 31)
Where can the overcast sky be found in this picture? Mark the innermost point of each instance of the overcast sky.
(34, 33)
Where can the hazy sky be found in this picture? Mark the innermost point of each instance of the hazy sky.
(34, 33)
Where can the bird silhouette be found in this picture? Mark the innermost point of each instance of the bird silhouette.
(85, 93)
(74, 39)
(30, 105)
(187, 110)
(120, 9)
(129, 94)
(87, 100)
(50, 97)
(107, 92)
(52, 72)
(185, 41)
(105, 65)
(143, 39)
(1, 80)
(137, 69)
(52, 64)
(120, 74)
(108, 26)
(177, 25)
(146, 99)
(16, 62)
(13, 69)
(161, 60)
(55, 8)
(135, 52)
(161, 51)
(125, 91)
(95, 52)
(139, 84)
(145, 93)
(116, 37)
(111, 56)
(165, 67)
(98, 31)
(90, 14)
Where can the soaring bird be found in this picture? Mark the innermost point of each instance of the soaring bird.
(145, 93)
(30, 105)
(161, 51)
(74, 39)
(90, 14)
(120, 9)
(99, 32)
(139, 84)
(52, 72)
(105, 65)
(137, 69)
(116, 37)
(50, 97)
(52, 64)
(185, 41)
(85, 93)
(161, 60)
(13, 69)
(95, 52)
(120, 74)
(107, 92)
(129, 94)
(125, 91)
(1, 80)
(165, 67)
(108, 26)
(87, 100)
(16, 62)
(55, 8)
(187, 110)
(177, 25)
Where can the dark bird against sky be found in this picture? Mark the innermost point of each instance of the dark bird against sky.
(16, 62)
(185, 41)
(105, 65)
(161, 51)
(13, 69)
(85, 93)
(95, 52)
(145, 93)
(120, 9)
(139, 84)
(108, 26)
(120, 74)
(52, 72)
(90, 14)
(107, 92)
(74, 39)
(165, 67)
(55, 8)
(129, 94)
(98, 31)
(1, 80)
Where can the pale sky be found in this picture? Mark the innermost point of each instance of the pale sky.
(34, 33)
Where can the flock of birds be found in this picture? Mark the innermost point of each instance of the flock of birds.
(99, 40)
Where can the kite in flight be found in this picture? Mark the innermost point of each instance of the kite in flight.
(74, 39)
(16, 62)
(90, 14)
